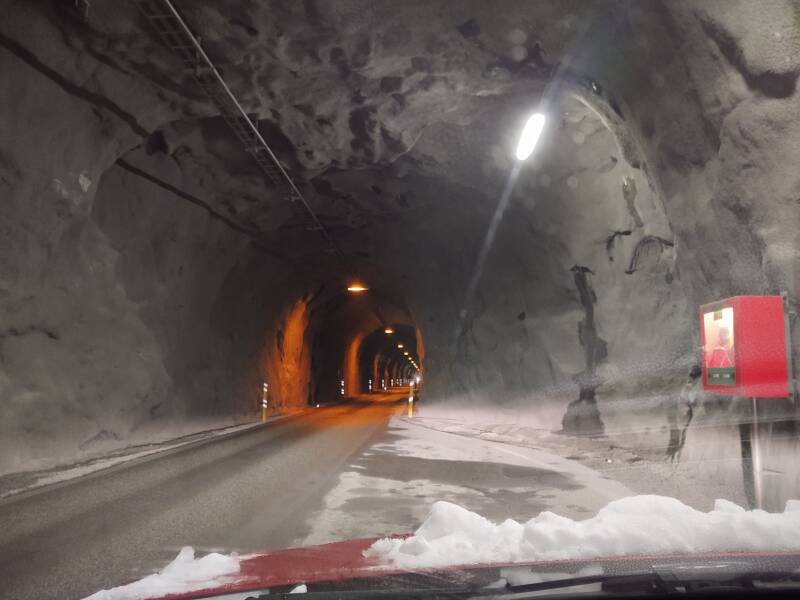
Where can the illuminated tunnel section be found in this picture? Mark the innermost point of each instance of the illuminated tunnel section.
(356, 341)
(384, 358)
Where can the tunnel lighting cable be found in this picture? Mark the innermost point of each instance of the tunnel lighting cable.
(174, 32)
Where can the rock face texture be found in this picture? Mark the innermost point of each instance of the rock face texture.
(151, 278)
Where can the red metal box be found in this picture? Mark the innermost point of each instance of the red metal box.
(745, 347)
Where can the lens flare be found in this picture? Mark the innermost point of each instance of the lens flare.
(530, 135)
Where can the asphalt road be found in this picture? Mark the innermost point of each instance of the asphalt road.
(341, 472)
(252, 490)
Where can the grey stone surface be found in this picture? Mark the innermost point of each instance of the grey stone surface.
(150, 279)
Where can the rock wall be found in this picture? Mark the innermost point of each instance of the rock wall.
(129, 313)
(57, 363)
(702, 102)
(151, 280)
(138, 317)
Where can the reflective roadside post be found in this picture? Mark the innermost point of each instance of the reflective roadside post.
(264, 401)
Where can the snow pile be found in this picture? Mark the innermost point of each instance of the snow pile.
(184, 574)
(452, 535)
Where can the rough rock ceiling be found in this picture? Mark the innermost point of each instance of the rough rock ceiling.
(387, 88)
(667, 179)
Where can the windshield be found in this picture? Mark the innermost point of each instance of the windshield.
(308, 294)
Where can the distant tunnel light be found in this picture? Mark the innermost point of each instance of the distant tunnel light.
(530, 135)
(400, 346)
(405, 353)
(356, 288)
(388, 331)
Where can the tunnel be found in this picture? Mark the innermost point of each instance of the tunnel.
(158, 274)
(364, 343)
(384, 356)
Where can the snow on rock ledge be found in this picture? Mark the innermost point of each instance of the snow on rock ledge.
(452, 535)
(184, 574)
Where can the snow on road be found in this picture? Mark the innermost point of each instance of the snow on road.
(394, 483)
(709, 466)
(638, 525)
(466, 492)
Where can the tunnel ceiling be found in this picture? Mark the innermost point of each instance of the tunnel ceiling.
(374, 108)
(398, 122)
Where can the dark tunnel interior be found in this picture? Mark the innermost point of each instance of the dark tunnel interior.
(383, 358)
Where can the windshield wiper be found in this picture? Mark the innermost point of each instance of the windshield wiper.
(619, 585)
(418, 594)
(660, 583)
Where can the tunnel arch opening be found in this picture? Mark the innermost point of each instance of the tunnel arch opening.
(387, 359)
(354, 347)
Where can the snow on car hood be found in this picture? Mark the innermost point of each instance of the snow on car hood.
(451, 535)
(184, 574)
(637, 525)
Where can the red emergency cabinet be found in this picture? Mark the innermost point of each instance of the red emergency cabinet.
(745, 347)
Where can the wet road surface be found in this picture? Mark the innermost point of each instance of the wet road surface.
(249, 491)
(359, 469)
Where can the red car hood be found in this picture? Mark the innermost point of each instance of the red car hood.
(328, 562)
(345, 560)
